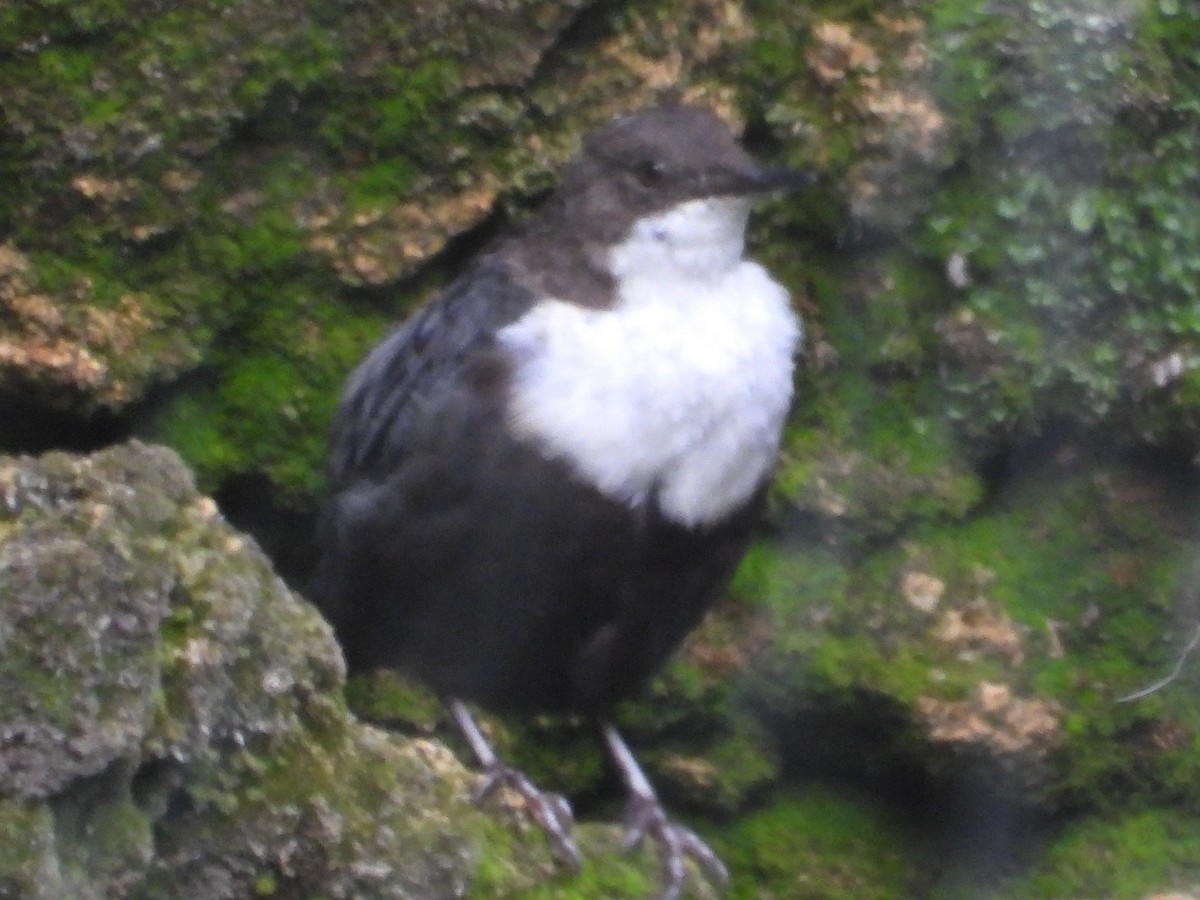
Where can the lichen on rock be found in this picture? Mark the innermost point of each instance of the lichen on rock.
(170, 713)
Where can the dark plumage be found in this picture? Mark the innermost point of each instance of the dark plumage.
(459, 550)
(463, 556)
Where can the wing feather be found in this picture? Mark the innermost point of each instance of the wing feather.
(404, 377)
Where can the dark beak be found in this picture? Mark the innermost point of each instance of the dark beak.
(767, 181)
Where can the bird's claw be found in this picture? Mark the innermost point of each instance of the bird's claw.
(550, 812)
(676, 843)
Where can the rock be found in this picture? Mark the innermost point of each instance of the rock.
(194, 220)
(171, 722)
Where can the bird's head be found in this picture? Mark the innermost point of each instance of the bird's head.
(666, 186)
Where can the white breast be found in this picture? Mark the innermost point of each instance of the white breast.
(681, 388)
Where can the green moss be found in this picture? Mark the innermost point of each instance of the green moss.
(251, 226)
(59, 18)
(372, 186)
(1079, 259)
(68, 68)
(510, 869)
(815, 843)
(27, 845)
(734, 769)
(1080, 252)
(270, 410)
(1131, 855)
(307, 57)
(110, 844)
(389, 111)
(383, 696)
(265, 885)
(202, 148)
(188, 426)
(876, 455)
(605, 873)
(1084, 556)
(786, 579)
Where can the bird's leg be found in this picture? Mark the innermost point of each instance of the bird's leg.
(550, 812)
(648, 819)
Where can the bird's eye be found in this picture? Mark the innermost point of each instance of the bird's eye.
(650, 172)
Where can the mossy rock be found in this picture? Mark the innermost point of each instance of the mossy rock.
(172, 721)
(816, 843)
(998, 647)
(1138, 854)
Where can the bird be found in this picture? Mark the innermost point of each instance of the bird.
(542, 480)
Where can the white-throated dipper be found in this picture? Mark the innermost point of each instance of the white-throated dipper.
(541, 481)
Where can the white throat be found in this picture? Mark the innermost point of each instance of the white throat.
(696, 239)
(679, 391)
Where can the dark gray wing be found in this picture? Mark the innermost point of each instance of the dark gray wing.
(402, 378)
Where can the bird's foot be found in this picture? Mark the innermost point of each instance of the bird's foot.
(647, 820)
(550, 812)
